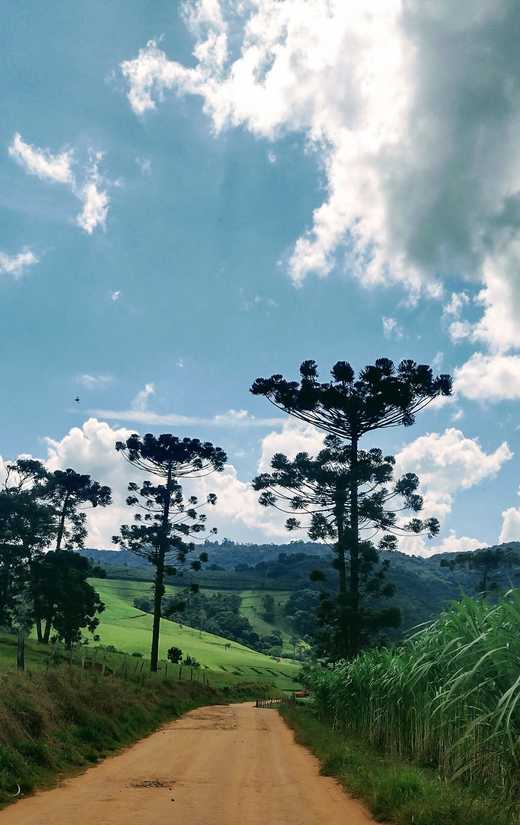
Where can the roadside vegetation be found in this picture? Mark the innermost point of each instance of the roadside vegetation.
(448, 698)
(394, 790)
(56, 720)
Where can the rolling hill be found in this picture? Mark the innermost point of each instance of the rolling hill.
(129, 630)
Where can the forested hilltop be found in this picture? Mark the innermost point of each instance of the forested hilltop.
(423, 586)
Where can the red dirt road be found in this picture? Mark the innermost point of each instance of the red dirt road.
(231, 765)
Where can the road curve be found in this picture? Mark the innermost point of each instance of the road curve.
(220, 765)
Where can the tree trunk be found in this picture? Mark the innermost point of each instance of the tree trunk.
(157, 608)
(47, 631)
(342, 573)
(39, 634)
(20, 650)
(159, 577)
(355, 623)
(61, 526)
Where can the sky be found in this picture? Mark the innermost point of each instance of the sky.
(194, 194)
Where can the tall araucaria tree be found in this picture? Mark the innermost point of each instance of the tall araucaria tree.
(314, 492)
(166, 527)
(350, 407)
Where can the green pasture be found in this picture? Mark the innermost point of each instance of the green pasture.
(129, 630)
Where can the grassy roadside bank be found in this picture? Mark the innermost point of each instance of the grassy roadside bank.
(59, 721)
(394, 791)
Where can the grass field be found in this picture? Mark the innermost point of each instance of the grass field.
(129, 630)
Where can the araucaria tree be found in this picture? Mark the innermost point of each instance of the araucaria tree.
(350, 407)
(314, 492)
(165, 526)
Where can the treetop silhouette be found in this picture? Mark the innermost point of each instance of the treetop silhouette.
(166, 454)
(382, 396)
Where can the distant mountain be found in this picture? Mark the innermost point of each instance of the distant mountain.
(424, 586)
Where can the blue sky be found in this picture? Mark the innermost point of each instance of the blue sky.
(193, 195)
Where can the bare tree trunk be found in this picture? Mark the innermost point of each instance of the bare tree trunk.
(344, 625)
(20, 650)
(39, 634)
(159, 578)
(355, 624)
(157, 609)
(47, 631)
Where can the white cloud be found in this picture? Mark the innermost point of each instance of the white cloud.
(140, 402)
(458, 544)
(391, 328)
(418, 184)
(16, 264)
(95, 208)
(510, 525)
(446, 464)
(489, 378)
(460, 331)
(115, 296)
(231, 418)
(94, 199)
(294, 437)
(92, 382)
(140, 413)
(85, 184)
(41, 162)
(90, 449)
(456, 303)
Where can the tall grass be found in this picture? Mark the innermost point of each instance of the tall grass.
(449, 697)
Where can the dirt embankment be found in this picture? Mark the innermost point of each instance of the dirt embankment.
(231, 765)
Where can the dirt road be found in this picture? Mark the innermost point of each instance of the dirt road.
(232, 765)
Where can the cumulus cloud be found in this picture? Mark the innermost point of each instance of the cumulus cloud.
(17, 264)
(86, 183)
(489, 378)
(458, 544)
(446, 464)
(294, 437)
(413, 112)
(510, 530)
(90, 449)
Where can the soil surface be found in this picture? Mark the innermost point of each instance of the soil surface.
(222, 765)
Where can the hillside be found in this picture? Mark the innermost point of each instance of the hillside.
(424, 586)
(129, 630)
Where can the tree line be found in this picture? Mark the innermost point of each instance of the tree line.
(345, 495)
